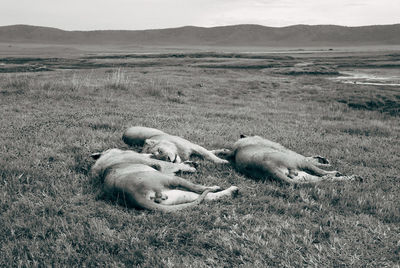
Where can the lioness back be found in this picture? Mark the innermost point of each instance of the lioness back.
(263, 146)
(137, 135)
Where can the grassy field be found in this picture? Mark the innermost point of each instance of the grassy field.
(54, 116)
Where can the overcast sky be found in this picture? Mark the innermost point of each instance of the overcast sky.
(151, 14)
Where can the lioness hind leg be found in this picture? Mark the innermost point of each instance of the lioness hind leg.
(317, 171)
(231, 191)
(341, 178)
(182, 183)
(280, 175)
(296, 176)
(176, 197)
(304, 177)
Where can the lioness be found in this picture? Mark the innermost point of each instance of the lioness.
(149, 183)
(116, 156)
(261, 158)
(166, 147)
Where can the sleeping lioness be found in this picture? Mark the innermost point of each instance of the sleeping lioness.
(149, 183)
(261, 158)
(166, 147)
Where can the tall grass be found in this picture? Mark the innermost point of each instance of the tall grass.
(52, 213)
(118, 79)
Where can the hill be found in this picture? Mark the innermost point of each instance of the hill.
(236, 35)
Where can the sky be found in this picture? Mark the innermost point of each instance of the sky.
(156, 14)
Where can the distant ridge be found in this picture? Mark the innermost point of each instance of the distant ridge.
(235, 35)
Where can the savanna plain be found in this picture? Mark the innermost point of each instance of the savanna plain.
(56, 111)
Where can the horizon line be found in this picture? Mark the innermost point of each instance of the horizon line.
(204, 27)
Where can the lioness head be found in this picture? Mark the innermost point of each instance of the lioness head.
(162, 150)
(96, 156)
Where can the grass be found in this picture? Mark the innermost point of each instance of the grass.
(52, 212)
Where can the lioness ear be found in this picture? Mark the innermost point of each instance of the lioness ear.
(95, 156)
(243, 136)
(150, 142)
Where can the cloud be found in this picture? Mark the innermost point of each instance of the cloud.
(289, 12)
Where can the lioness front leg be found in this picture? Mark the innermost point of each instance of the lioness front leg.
(209, 155)
(318, 161)
(172, 168)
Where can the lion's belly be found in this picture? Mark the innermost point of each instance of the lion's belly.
(265, 162)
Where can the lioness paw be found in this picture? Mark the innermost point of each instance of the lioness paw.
(223, 161)
(354, 178)
(234, 191)
(292, 173)
(191, 163)
(191, 169)
(338, 174)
